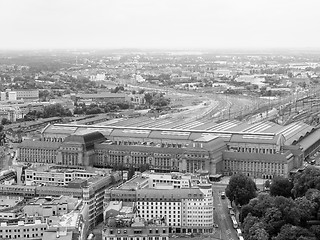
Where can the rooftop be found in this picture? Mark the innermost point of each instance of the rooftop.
(39, 144)
(178, 193)
(53, 200)
(127, 222)
(52, 235)
(86, 138)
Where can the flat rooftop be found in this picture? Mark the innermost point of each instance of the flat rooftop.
(53, 200)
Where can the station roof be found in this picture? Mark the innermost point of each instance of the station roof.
(230, 130)
(310, 140)
(61, 129)
(295, 132)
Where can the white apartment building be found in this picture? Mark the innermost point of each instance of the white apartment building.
(184, 210)
(196, 213)
(160, 180)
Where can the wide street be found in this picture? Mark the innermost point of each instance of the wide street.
(222, 216)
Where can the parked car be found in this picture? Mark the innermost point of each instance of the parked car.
(223, 195)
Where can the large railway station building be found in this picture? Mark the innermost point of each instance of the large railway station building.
(263, 149)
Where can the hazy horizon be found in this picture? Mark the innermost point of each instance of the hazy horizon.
(214, 25)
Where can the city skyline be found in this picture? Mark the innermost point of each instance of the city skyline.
(149, 24)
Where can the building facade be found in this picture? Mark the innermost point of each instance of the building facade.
(185, 210)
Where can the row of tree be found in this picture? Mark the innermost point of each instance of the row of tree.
(291, 210)
(101, 108)
(53, 110)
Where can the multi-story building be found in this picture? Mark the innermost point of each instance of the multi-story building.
(50, 206)
(91, 190)
(46, 214)
(21, 94)
(77, 150)
(72, 225)
(8, 113)
(27, 94)
(135, 228)
(38, 151)
(56, 176)
(28, 229)
(184, 210)
(188, 209)
(263, 149)
(92, 149)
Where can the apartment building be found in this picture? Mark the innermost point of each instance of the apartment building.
(184, 210)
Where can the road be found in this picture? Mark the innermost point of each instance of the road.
(222, 216)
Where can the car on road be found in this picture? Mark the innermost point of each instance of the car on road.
(231, 212)
(223, 195)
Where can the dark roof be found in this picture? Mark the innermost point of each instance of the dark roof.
(86, 138)
(309, 140)
(39, 144)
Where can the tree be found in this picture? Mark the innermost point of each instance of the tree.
(309, 178)
(281, 186)
(248, 222)
(241, 189)
(5, 121)
(290, 232)
(315, 229)
(258, 232)
(305, 210)
(258, 205)
(148, 97)
(274, 219)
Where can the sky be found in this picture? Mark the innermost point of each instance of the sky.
(159, 24)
